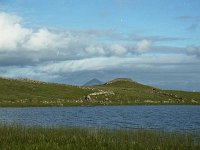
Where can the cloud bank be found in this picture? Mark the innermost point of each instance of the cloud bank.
(43, 44)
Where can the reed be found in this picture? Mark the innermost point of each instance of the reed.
(16, 137)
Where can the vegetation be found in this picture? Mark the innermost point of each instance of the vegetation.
(25, 92)
(18, 137)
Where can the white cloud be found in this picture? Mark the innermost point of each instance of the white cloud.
(12, 34)
(109, 50)
(43, 39)
(15, 37)
(143, 46)
(95, 50)
(118, 49)
(102, 63)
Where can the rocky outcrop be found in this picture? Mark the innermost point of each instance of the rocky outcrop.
(88, 98)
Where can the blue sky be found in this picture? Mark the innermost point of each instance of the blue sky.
(70, 41)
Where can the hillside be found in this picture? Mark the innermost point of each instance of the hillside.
(93, 82)
(26, 92)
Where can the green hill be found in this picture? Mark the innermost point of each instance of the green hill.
(26, 92)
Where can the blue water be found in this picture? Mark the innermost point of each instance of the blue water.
(172, 118)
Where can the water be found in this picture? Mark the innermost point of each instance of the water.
(172, 118)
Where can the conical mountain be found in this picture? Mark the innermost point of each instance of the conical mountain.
(93, 82)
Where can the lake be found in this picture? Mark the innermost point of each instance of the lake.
(172, 118)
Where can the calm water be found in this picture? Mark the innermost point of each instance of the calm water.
(175, 118)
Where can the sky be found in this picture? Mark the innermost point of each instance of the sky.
(154, 42)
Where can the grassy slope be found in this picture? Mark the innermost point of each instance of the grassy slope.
(17, 138)
(132, 92)
(27, 92)
(118, 91)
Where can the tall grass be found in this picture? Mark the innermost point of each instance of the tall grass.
(18, 137)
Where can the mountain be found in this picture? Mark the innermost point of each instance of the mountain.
(121, 91)
(93, 82)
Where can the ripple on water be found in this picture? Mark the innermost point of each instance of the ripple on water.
(177, 118)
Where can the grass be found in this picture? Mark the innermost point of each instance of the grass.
(24, 92)
(36, 138)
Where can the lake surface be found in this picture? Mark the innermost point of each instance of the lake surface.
(172, 118)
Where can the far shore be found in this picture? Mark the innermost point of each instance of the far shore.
(93, 105)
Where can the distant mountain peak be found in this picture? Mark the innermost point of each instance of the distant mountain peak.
(93, 82)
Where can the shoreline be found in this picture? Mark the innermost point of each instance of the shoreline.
(29, 106)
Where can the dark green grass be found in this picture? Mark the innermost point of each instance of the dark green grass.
(25, 93)
(18, 138)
